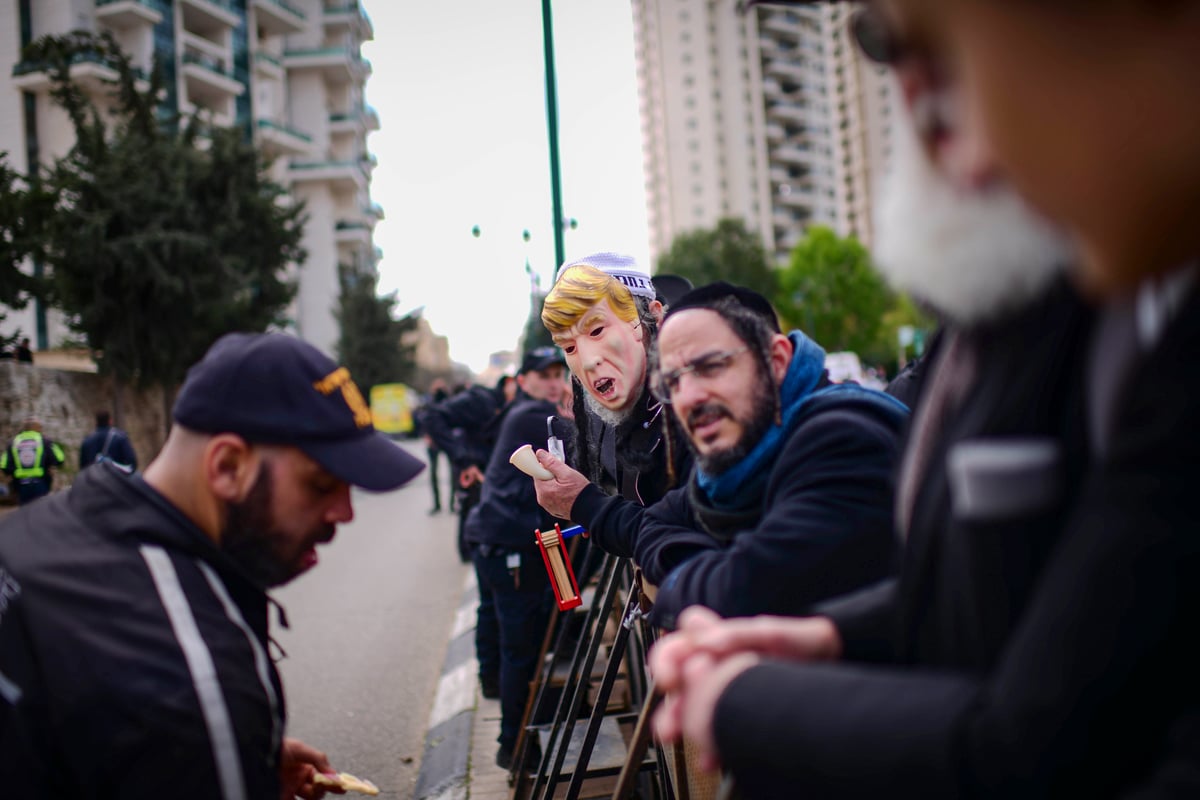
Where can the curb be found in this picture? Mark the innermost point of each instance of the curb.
(445, 760)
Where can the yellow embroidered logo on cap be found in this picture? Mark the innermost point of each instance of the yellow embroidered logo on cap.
(340, 379)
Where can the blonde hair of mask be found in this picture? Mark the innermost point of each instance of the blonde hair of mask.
(577, 290)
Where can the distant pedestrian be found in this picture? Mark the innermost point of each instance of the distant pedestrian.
(107, 443)
(508, 564)
(437, 394)
(24, 353)
(29, 459)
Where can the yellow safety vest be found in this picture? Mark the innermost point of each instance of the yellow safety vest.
(27, 452)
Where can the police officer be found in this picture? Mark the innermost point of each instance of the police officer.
(28, 460)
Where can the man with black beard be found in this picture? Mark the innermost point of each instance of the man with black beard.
(790, 500)
(133, 608)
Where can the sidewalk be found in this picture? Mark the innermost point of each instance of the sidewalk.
(460, 743)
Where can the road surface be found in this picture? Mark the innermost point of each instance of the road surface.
(369, 628)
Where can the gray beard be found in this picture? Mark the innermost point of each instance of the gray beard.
(971, 256)
(607, 415)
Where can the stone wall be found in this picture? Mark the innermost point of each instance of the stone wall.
(66, 402)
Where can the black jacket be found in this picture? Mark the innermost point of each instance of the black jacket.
(824, 527)
(1050, 649)
(638, 466)
(465, 426)
(508, 512)
(118, 448)
(133, 655)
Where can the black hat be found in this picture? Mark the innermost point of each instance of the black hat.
(709, 294)
(271, 388)
(670, 288)
(541, 358)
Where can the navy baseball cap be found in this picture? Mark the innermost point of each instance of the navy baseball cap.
(541, 358)
(271, 388)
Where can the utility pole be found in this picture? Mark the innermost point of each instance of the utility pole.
(552, 126)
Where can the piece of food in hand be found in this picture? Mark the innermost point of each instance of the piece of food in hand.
(524, 459)
(348, 782)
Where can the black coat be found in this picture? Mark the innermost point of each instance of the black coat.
(103, 590)
(98, 442)
(508, 512)
(823, 529)
(1050, 651)
(465, 426)
(639, 464)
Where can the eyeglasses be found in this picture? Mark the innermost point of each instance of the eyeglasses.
(877, 40)
(706, 368)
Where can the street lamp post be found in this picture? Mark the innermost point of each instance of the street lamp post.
(552, 130)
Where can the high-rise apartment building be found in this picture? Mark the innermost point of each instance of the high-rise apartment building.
(771, 116)
(289, 71)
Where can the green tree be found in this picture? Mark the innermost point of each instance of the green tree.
(166, 233)
(535, 334)
(902, 313)
(728, 252)
(373, 342)
(831, 292)
(21, 211)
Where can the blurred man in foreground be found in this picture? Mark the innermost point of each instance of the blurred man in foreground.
(1087, 687)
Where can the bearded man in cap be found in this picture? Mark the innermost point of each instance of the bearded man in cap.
(1084, 685)
(603, 311)
(133, 607)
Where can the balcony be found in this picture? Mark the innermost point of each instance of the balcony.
(210, 18)
(122, 14)
(209, 79)
(799, 155)
(782, 23)
(278, 18)
(795, 113)
(346, 176)
(89, 71)
(356, 122)
(216, 117)
(268, 64)
(348, 231)
(339, 64)
(797, 195)
(790, 70)
(279, 138)
(349, 14)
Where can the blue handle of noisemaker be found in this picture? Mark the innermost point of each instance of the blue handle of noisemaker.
(574, 530)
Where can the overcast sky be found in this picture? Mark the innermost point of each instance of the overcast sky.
(459, 87)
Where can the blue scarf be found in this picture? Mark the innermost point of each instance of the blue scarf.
(742, 485)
